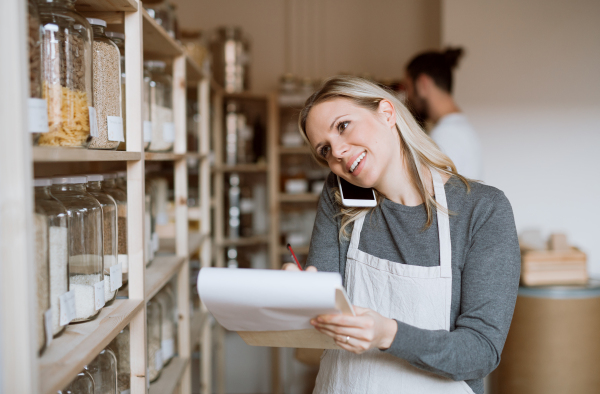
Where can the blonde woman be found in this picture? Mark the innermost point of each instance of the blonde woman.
(432, 270)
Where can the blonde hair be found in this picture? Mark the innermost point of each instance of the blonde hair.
(418, 150)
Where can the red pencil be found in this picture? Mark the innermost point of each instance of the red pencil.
(294, 256)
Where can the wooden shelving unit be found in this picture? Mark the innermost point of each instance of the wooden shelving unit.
(23, 371)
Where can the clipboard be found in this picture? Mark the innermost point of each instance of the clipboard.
(306, 338)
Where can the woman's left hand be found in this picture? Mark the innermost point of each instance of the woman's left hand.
(367, 330)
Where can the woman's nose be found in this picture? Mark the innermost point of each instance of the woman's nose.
(339, 149)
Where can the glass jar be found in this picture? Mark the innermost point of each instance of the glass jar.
(58, 244)
(36, 105)
(107, 89)
(229, 59)
(85, 245)
(104, 372)
(146, 107)
(166, 299)
(109, 237)
(67, 74)
(154, 338)
(160, 11)
(119, 40)
(120, 346)
(82, 384)
(194, 46)
(41, 273)
(161, 107)
(149, 255)
(109, 187)
(121, 180)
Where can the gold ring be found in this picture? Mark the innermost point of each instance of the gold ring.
(347, 339)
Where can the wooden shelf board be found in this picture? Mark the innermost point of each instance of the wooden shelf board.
(297, 249)
(303, 197)
(170, 377)
(167, 245)
(246, 241)
(241, 168)
(295, 150)
(106, 5)
(157, 42)
(197, 323)
(193, 71)
(162, 156)
(80, 343)
(59, 154)
(159, 272)
(246, 96)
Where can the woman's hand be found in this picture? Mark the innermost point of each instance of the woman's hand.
(294, 267)
(367, 330)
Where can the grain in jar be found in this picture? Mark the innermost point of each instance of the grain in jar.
(120, 346)
(66, 74)
(109, 187)
(37, 108)
(161, 107)
(107, 89)
(83, 383)
(103, 369)
(119, 40)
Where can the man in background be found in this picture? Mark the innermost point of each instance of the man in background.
(428, 82)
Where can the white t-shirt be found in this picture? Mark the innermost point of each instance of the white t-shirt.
(456, 137)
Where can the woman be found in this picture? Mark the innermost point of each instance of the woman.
(433, 270)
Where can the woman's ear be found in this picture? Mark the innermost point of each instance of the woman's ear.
(388, 112)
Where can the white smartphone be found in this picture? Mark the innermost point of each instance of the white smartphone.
(354, 196)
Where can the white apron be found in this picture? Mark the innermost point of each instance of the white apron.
(419, 296)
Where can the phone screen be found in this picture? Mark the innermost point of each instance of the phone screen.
(353, 192)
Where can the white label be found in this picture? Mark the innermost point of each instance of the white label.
(155, 242)
(167, 348)
(48, 326)
(67, 308)
(93, 122)
(99, 295)
(116, 277)
(169, 132)
(37, 115)
(158, 360)
(147, 131)
(123, 259)
(115, 128)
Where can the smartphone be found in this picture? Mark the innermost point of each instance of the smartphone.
(354, 196)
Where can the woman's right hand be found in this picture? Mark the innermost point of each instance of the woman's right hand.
(294, 267)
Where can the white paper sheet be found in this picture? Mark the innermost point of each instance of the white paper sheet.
(267, 300)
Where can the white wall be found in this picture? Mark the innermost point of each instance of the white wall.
(530, 83)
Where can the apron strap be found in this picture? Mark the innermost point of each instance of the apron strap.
(443, 226)
(358, 223)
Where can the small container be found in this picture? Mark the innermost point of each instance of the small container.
(120, 346)
(230, 58)
(37, 106)
(154, 338)
(67, 74)
(161, 107)
(104, 372)
(40, 222)
(109, 187)
(82, 384)
(107, 89)
(119, 40)
(85, 245)
(58, 247)
(160, 11)
(166, 299)
(109, 237)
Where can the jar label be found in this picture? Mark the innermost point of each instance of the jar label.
(37, 115)
(116, 277)
(147, 131)
(99, 295)
(48, 326)
(169, 132)
(158, 360)
(123, 259)
(67, 308)
(115, 128)
(167, 348)
(93, 122)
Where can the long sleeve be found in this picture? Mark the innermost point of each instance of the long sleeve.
(489, 285)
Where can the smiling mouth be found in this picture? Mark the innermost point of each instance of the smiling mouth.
(357, 162)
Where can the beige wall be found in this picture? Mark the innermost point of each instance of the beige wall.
(319, 38)
(530, 84)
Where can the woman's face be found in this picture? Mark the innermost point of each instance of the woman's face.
(359, 145)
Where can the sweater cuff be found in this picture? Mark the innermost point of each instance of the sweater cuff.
(405, 342)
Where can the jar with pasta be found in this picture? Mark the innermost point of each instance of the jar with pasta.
(107, 89)
(103, 369)
(67, 75)
(83, 383)
(109, 187)
(113, 271)
(161, 107)
(119, 40)
(40, 222)
(86, 277)
(168, 346)
(154, 338)
(58, 244)
(37, 108)
(120, 346)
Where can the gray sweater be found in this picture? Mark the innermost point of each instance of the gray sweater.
(485, 273)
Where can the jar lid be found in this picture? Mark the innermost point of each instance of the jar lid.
(114, 34)
(94, 178)
(42, 182)
(69, 180)
(121, 174)
(154, 63)
(110, 175)
(97, 22)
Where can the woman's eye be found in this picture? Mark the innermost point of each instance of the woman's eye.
(342, 126)
(324, 151)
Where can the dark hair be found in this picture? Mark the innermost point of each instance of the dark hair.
(438, 65)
